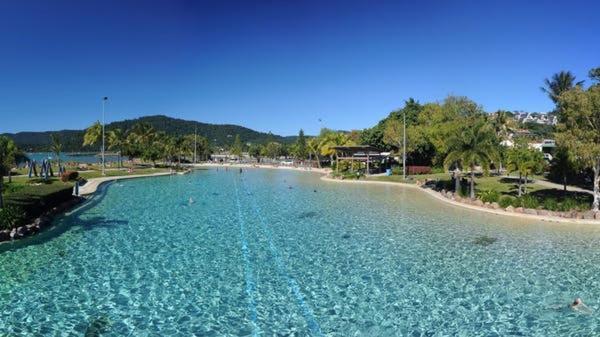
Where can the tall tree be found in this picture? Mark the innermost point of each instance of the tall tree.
(559, 83)
(93, 134)
(525, 161)
(8, 150)
(474, 145)
(237, 148)
(562, 166)
(594, 75)
(56, 147)
(300, 150)
(272, 150)
(116, 141)
(579, 130)
(255, 151)
(144, 136)
(393, 134)
(313, 146)
(330, 139)
(504, 125)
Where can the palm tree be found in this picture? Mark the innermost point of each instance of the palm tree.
(504, 125)
(474, 145)
(144, 133)
(313, 149)
(559, 83)
(331, 139)
(525, 161)
(93, 134)
(116, 141)
(169, 148)
(144, 136)
(56, 147)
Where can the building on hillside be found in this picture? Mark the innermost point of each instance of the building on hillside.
(535, 117)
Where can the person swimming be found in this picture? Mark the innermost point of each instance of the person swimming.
(191, 201)
(578, 305)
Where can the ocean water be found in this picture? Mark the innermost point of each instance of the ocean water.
(66, 157)
(281, 253)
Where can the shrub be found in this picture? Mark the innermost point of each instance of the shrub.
(505, 201)
(11, 217)
(551, 204)
(568, 204)
(489, 196)
(69, 176)
(528, 201)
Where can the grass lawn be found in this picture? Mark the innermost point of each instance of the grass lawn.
(548, 198)
(34, 196)
(121, 172)
(411, 179)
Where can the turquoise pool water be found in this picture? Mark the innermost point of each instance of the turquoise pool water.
(280, 253)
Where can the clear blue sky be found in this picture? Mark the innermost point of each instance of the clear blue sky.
(281, 65)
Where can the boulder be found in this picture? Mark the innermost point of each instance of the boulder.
(519, 210)
(530, 211)
(510, 209)
(597, 216)
(5, 235)
(543, 212)
(477, 202)
(495, 205)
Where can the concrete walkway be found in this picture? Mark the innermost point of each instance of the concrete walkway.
(92, 185)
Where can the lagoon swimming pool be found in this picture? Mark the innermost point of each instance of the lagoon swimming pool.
(275, 252)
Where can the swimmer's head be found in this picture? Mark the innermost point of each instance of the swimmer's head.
(577, 301)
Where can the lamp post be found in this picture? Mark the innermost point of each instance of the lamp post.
(404, 145)
(104, 99)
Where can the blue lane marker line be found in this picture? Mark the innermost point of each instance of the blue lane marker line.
(248, 273)
(307, 312)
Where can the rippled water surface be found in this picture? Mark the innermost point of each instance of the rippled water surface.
(283, 253)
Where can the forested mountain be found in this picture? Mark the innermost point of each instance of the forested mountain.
(217, 134)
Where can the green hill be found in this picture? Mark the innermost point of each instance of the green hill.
(218, 134)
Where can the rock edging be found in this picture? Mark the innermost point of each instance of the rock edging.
(39, 223)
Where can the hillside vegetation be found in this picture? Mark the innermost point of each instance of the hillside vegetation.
(218, 134)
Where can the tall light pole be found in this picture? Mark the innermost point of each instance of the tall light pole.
(404, 145)
(195, 146)
(104, 99)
